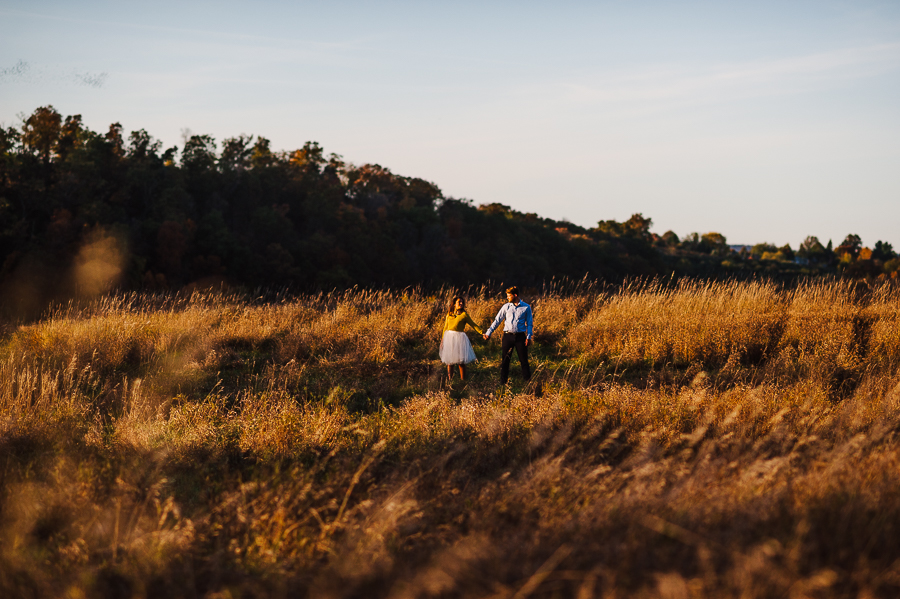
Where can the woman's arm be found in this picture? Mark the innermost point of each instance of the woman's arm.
(472, 324)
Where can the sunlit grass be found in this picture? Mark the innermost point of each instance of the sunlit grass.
(709, 440)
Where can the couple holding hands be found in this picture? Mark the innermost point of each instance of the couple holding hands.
(517, 319)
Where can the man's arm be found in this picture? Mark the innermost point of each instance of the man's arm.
(529, 325)
(496, 322)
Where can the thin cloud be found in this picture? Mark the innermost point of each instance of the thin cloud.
(95, 80)
(19, 70)
(25, 72)
(777, 76)
(190, 31)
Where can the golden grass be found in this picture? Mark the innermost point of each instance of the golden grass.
(701, 440)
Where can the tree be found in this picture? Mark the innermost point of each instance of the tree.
(610, 227)
(691, 242)
(883, 251)
(142, 145)
(714, 243)
(309, 158)
(236, 152)
(40, 132)
(71, 136)
(851, 246)
(786, 252)
(759, 249)
(637, 226)
(115, 140)
(812, 250)
(9, 140)
(262, 156)
(199, 153)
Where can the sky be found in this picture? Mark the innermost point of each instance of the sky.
(763, 121)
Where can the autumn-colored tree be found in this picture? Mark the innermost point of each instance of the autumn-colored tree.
(638, 226)
(71, 136)
(851, 247)
(115, 140)
(40, 132)
(309, 157)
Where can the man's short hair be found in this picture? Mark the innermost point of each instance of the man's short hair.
(513, 290)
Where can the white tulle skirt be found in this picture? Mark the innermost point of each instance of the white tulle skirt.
(456, 348)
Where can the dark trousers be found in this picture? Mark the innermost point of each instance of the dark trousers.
(509, 341)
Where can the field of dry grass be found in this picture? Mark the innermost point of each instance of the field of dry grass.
(696, 440)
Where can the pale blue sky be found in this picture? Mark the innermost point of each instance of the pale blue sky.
(764, 121)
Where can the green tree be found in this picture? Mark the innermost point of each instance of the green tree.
(715, 243)
(636, 226)
(9, 142)
(262, 156)
(759, 249)
(813, 251)
(883, 251)
(236, 153)
(691, 242)
(141, 145)
(786, 252)
(199, 153)
(670, 238)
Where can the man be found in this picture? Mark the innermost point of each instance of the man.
(518, 323)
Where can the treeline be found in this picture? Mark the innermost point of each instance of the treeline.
(121, 207)
(710, 256)
(82, 212)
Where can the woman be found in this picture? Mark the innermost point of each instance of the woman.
(455, 346)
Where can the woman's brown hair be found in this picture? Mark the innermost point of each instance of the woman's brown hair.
(452, 309)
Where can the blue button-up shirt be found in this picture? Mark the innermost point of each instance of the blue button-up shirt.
(516, 318)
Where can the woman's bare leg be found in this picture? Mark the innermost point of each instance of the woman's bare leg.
(449, 372)
(462, 372)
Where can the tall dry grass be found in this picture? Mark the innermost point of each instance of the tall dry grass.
(708, 440)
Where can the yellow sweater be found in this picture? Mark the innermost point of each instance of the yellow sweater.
(457, 322)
